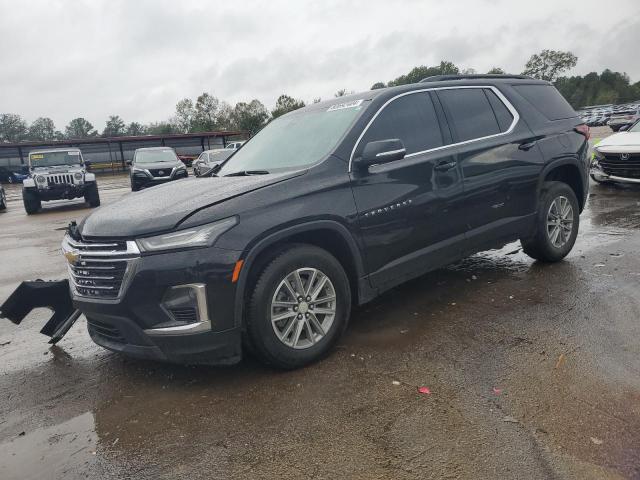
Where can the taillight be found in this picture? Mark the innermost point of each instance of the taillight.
(584, 130)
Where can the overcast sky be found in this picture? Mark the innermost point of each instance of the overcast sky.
(137, 58)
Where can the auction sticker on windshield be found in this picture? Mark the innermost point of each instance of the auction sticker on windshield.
(37, 156)
(342, 106)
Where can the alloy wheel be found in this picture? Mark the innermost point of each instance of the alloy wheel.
(560, 221)
(303, 308)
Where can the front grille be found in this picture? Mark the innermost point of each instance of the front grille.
(101, 279)
(60, 178)
(156, 172)
(612, 164)
(184, 314)
(99, 269)
(105, 330)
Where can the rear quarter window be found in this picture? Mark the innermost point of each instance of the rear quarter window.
(547, 100)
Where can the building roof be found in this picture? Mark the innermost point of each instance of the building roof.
(127, 139)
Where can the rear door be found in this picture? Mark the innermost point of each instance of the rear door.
(409, 209)
(499, 160)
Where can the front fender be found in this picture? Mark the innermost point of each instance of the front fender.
(89, 177)
(29, 183)
(252, 253)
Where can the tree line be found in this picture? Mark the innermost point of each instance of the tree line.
(207, 113)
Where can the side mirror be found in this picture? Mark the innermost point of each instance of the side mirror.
(382, 151)
(128, 162)
(624, 128)
(87, 163)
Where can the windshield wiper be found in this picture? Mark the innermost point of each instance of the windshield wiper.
(246, 173)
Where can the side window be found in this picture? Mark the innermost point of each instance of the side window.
(411, 118)
(500, 110)
(470, 112)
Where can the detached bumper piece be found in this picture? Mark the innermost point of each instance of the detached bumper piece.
(54, 295)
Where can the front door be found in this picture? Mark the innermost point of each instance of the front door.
(409, 210)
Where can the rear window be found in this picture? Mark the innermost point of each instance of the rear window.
(471, 113)
(547, 100)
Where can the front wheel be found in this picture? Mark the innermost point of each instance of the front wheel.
(557, 224)
(31, 201)
(298, 308)
(3, 200)
(92, 196)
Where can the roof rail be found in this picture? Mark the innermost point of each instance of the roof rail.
(441, 78)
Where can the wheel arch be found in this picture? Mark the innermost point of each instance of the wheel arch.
(329, 235)
(567, 171)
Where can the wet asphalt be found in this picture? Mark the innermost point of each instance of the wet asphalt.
(533, 372)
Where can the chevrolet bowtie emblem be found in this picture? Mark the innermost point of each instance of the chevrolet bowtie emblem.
(72, 256)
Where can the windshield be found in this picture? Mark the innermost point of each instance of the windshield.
(155, 156)
(635, 128)
(296, 140)
(52, 159)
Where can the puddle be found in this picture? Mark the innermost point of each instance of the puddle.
(50, 453)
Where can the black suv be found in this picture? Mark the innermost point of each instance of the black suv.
(326, 208)
(155, 165)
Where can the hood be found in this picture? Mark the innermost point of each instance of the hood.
(162, 208)
(58, 169)
(159, 165)
(623, 142)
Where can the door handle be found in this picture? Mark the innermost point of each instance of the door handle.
(444, 166)
(527, 146)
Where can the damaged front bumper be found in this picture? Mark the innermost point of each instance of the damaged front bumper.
(54, 295)
(600, 176)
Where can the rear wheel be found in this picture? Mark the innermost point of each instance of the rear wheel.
(298, 308)
(92, 196)
(556, 224)
(31, 201)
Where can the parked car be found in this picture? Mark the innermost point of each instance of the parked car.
(155, 165)
(617, 157)
(325, 208)
(58, 174)
(210, 159)
(235, 145)
(624, 118)
(3, 198)
(18, 175)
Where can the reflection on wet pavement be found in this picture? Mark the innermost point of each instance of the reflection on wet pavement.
(533, 372)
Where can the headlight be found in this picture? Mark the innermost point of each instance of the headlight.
(596, 157)
(77, 176)
(40, 179)
(136, 169)
(203, 236)
(181, 167)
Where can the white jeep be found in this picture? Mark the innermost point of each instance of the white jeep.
(58, 174)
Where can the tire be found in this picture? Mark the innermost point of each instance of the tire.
(134, 187)
(3, 201)
(541, 245)
(92, 196)
(615, 129)
(31, 201)
(310, 345)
